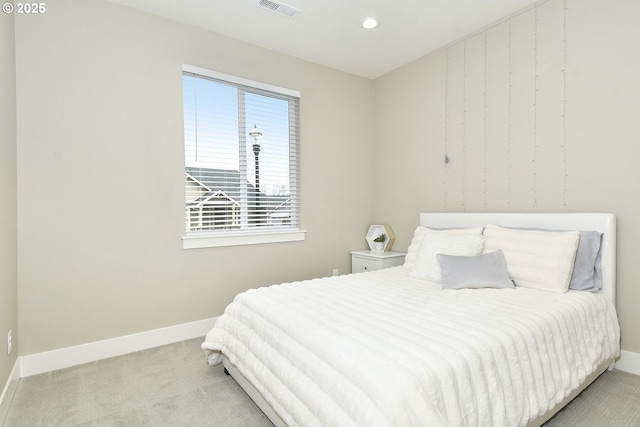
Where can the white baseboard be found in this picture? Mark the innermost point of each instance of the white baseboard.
(629, 362)
(34, 364)
(8, 391)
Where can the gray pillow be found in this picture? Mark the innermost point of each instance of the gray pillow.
(587, 269)
(474, 272)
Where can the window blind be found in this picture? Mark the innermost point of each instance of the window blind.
(241, 142)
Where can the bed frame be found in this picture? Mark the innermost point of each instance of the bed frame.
(602, 222)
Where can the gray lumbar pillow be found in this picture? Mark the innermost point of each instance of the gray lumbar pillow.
(474, 272)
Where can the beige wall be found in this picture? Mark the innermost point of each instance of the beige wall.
(100, 171)
(8, 201)
(520, 134)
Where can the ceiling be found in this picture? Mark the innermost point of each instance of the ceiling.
(328, 32)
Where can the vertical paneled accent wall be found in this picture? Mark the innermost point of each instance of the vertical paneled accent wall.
(512, 73)
(537, 113)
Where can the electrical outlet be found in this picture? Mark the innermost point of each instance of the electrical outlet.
(336, 272)
(9, 342)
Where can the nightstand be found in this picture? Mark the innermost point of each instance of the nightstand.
(366, 260)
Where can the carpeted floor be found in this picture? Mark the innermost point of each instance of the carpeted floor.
(164, 386)
(172, 386)
(613, 400)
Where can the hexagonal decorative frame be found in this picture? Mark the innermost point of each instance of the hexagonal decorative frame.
(375, 231)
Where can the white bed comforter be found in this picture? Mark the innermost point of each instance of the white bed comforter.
(386, 349)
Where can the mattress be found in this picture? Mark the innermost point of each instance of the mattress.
(387, 349)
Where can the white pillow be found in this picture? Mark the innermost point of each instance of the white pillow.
(541, 260)
(426, 265)
(418, 237)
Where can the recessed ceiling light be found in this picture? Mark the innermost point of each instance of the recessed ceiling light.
(369, 23)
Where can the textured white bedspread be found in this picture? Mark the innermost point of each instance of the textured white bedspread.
(386, 349)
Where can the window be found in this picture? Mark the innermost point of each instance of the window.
(241, 143)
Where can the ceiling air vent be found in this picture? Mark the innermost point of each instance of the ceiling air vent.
(279, 8)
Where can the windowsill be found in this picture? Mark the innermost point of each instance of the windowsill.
(214, 240)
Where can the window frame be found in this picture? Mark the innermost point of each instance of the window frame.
(207, 239)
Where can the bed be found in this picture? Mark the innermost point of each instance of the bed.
(402, 347)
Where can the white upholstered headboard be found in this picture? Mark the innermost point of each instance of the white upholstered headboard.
(602, 222)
